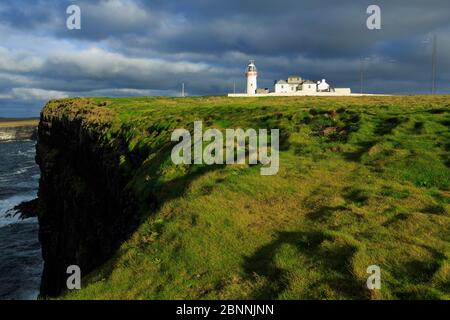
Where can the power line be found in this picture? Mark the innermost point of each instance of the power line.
(434, 56)
(434, 65)
(362, 72)
(362, 75)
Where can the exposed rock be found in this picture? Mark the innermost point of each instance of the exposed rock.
(18, 133)
(328, 131)
(25, 210)
(85, 210)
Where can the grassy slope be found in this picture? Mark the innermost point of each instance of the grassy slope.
(375, 192)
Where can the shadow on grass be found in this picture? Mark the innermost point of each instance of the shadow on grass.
(154, 193)
(421, 277)
(357, 196)
(383, 128)
(363, 148)
(148, 195)
(387, 126)
(323, 213)
(331, 264)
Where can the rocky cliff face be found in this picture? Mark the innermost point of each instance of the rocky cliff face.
(85, 210)
(18, 133)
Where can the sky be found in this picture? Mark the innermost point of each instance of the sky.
(136, 47)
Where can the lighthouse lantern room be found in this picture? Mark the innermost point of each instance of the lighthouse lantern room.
(252, 75)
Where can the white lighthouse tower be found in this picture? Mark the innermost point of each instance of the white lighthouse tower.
(252, 74)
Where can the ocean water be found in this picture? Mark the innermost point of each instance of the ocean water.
(20, 253)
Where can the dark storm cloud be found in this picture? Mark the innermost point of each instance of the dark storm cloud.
(325, 29)
(25, 14)
(137, 46)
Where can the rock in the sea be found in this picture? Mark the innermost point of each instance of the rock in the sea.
(25, 210)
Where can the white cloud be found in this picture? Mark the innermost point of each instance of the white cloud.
(26, 94)
(122, 12)
(99, 63)
(128, 92)
(137, 47)
(18, 61)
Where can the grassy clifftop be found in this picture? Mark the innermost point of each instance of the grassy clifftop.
(17, 129)
(10, 123)
(362, 181)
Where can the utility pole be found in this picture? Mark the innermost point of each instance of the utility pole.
(362, 75)
(234, 87)
(434, 65)
(434, 56)
(182, 89)
(362, 72)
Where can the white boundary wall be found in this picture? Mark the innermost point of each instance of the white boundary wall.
(339, 92)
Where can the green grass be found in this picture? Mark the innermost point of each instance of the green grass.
(374, 189)
(11, 123)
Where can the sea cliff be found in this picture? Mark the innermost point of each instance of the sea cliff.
(85, 211)
(363, 181)
(20, 129)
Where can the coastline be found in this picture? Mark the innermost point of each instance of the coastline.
(18, 129)
(112, 202)
(20, 252)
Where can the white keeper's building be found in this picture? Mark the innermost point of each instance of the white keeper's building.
(294, 85)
